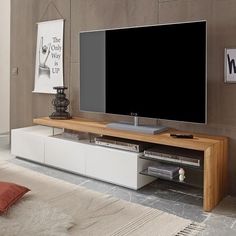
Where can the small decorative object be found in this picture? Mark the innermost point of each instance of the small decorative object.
(230, 65)
(60, 104)
(10, 193)
(181, 174)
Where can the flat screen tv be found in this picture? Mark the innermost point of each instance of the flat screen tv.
(156, 71)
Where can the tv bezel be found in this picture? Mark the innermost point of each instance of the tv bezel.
(150, 25)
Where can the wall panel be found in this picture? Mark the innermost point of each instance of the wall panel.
(24, 16)
(5, 67)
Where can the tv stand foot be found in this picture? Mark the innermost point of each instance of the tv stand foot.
(137, 128)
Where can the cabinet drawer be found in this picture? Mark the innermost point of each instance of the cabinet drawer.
(64, 154)
(28, 142)
(115, 166)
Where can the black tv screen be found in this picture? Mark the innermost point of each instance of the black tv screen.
(154, 71)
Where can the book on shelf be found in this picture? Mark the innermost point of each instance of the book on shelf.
(162, 175)
(163, 170)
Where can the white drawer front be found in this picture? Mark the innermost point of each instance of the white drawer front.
(27, 145)
(115, 166)
(64, 154)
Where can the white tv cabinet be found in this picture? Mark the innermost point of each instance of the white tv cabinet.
(38, 144)
(117, 166)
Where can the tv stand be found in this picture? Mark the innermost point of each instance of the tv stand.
(120, 166)
(137, 128)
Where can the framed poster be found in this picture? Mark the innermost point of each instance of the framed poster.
(230, 65)
(49, 56)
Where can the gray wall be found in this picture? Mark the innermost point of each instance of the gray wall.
(84, 15)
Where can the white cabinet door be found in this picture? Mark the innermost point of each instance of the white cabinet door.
(65, 154)
(28, 142)
(112, 165)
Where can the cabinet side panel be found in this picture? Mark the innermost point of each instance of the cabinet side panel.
(208, 195)
(225, 177)
(215, 162)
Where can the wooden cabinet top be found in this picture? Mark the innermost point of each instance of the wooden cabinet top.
(199, 142)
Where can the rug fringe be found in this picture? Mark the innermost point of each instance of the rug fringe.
(137, 223)
(192, 229)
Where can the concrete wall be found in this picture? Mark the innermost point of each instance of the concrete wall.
(93, 14)
(5, 66)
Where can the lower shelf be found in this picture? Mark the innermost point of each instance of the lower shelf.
(191, 179)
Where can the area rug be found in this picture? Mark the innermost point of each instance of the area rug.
(33, 217)
(93, 213)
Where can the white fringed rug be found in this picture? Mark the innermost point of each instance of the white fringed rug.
(92, 213)
(36, 218)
